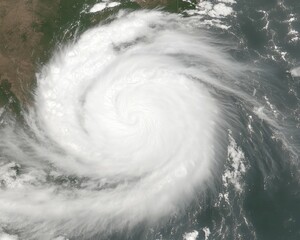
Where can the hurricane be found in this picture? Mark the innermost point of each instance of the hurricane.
(132, 123)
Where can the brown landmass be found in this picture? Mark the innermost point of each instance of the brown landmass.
(22, 42)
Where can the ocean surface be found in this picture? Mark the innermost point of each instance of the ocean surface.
(179, 123)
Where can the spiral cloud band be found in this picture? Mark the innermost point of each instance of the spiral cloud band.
(123, 129)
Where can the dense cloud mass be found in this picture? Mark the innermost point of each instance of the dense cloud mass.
(123, 110)
(128, 125)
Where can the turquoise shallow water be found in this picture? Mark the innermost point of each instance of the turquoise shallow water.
(257, 192)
